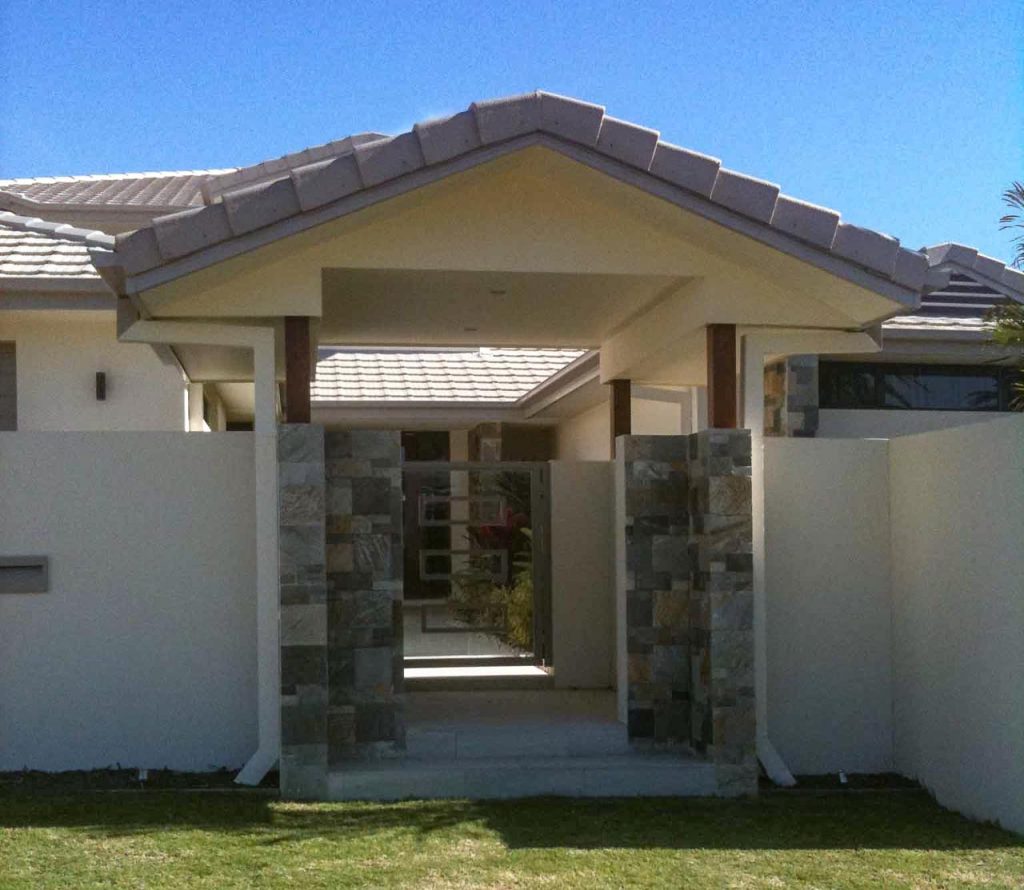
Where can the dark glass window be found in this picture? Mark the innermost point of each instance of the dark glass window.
(915, 387)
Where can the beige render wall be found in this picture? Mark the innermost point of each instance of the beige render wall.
(829, 606)
(958, 591)
(895, 597)
(834, 423)
(58, 355)
(582, 574)
(587, 435)
(143, 652)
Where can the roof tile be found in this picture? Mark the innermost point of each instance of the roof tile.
(260, 205)
(34, 248)
(304, 181)
(866, 247)
(627, 142)
(446, 138)
(471, 375)
(388, 158)
(506, 118)
(570, 119)
(139, 250)
(911, 269)
(685, 168)
(745, 194)
(952, 253)
(1014, 279)
(180, 234)
(327, 181)
(158, 190)
(808, 222)
(989, 266)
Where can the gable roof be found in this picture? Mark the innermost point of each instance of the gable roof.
(977, 283)
(36, 253)
(987, 270)
(215, 186)
(310, 194)
(162, 191)
(167, 191)
(482, 375)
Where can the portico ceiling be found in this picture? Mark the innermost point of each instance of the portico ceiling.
(458, 307)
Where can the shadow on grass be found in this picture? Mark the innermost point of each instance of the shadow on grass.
(909, 821)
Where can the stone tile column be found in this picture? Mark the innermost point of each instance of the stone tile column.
(303, 627)
(791, 397)
(341, 601)
(722, 606)
(657, 587)
(364, 596)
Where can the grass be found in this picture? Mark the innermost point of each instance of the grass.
(225, 839)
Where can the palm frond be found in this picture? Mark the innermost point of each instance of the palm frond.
(1009, 323)
(1013, 198)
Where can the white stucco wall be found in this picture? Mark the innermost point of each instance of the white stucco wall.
(143, 653)
(958, 584)
(582, 574)
(828, 604)
(58, 355)
(587, 435)
(868, 424)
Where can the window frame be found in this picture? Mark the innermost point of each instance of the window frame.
(1003, 376)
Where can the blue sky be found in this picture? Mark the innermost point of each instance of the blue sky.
(906, 117)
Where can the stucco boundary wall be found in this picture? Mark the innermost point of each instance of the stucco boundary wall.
(895, 596)
(142, 652)
(957, 501)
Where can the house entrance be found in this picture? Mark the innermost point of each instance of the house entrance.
(477, 565)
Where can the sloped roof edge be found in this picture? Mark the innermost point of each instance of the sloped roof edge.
(89, 237)
(231, 180)
(50, 258)
(307, 195)
(989, 270)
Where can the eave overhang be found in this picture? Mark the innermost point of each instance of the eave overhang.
(250, 218)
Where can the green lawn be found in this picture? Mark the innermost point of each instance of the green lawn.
(247, 839)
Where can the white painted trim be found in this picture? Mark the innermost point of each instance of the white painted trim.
(756, 345)
(763, 232)
(661, 394)
(261, 341)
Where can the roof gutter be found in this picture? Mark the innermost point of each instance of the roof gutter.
(544, 395)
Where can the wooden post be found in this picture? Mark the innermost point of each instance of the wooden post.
(722, 376)
(297, 368)
(621, 411)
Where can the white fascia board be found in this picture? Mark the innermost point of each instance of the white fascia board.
(904, 297)
(443, 415)
(562, 384)
(774, 342)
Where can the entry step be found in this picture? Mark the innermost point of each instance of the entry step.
(627, 775)
(516, 739)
